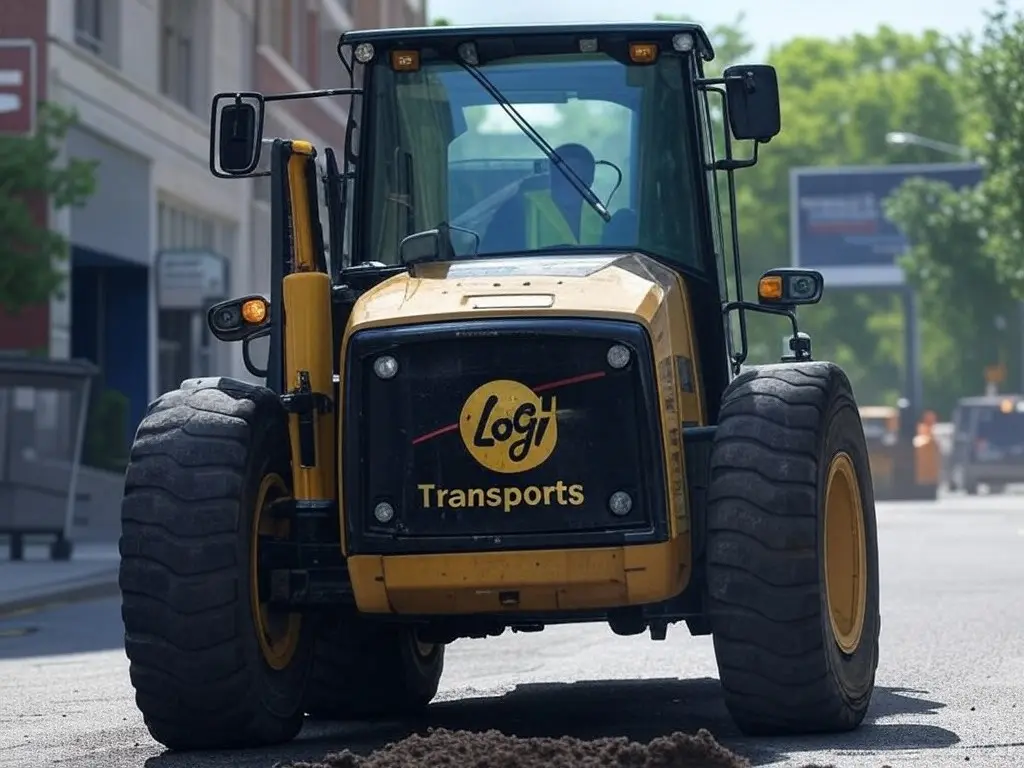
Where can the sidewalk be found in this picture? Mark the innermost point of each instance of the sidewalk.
(37, 580)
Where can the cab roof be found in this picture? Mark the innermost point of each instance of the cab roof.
(647, 31)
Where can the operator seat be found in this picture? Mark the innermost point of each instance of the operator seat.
(623, 229)
(505, 231)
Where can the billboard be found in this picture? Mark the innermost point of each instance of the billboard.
(838, 223)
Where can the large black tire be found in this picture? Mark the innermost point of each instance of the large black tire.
(781, 666)
(366, 670)
(201, 678)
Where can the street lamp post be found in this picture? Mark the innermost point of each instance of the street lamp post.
(910, 309)
(904, 138)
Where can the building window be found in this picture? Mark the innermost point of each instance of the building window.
(270, 20)
(180, 229)
(177, 51)
(298, 47)
(185, 348)
(96, 25)
(89, 25)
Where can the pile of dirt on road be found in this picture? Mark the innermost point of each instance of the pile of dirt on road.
(441, 748)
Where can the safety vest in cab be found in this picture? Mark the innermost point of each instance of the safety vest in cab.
(546, 227)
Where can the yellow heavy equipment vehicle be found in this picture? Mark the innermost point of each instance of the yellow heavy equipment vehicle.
(500, 409)
(906, 461)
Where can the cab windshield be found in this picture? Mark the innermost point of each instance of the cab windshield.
(441, 150)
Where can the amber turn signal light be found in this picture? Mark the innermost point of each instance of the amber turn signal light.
(254, 311)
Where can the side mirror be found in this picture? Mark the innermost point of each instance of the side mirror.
(420, 246)
(238, 319)
(236, 132)
(790, 287)
(442, 244)
(752, 95)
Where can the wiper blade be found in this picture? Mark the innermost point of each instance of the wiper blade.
(541, 143)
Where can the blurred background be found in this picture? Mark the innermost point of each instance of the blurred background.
(899, 173)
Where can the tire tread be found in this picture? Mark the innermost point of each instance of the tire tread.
(763, 579)
(181, 574)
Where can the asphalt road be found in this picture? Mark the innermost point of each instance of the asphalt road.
(951, 680)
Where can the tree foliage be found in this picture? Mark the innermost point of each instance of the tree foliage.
(839, 100)
(967, 256)
(30, 252)
(972, 312)
(995, 75)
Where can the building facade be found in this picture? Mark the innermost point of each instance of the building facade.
(161, 237)
(297, 51)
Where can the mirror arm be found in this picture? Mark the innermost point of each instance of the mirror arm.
(250, 366)
(734, 164)
(318, 94)
(741, 307)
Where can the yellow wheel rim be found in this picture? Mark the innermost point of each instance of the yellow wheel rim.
(278, 632)
(846, 556)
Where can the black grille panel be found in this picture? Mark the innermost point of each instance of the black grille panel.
(555, 430)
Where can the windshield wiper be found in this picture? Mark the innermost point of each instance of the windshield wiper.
(531, 133)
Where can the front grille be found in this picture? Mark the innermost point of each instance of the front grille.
(501, 435)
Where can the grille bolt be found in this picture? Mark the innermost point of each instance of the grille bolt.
(620, 503)
(386, 367)
(384, 513)
(618, 356)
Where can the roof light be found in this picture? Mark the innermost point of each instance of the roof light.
(588, 45)
(683, 42)
(365, 52)
(643, 53)
(405, 61)
(467, 52)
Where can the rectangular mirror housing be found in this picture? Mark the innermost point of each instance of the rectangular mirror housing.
(752, 96)
(236, 132)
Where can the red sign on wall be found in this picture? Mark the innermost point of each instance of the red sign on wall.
(17, 86)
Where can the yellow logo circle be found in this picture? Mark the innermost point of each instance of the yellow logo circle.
(507, 427)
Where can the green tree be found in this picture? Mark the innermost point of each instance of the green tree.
(839, 100)
(30, 254)
(995, 73)
(958, 285)
(967, 256)
(441, 21)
